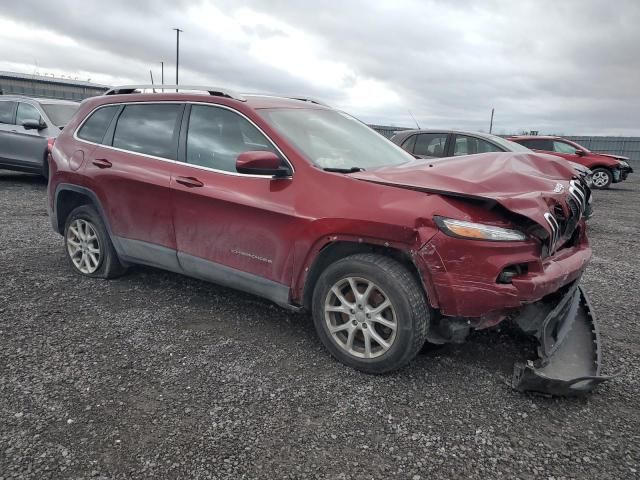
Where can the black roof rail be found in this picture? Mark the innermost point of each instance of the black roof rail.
(215, 91)
(309, 99)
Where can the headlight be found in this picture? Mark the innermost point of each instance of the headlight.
(623, 164)
(478, 231)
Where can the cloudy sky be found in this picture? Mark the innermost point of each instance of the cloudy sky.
(567, 67)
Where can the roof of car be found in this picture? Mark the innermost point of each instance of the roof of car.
(211, 94)
(446, 130)
(45, 101)
(541, 137)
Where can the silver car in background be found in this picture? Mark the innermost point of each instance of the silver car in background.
(28, 126)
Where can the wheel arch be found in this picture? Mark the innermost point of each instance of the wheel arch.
(338, 248)
(67, 198)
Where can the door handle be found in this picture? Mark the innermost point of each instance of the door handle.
(102, 163)
(190, 182)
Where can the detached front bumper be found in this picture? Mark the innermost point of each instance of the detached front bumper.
(624, 172)
(569, 360)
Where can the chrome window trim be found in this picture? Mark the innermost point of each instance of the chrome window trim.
(199, 167)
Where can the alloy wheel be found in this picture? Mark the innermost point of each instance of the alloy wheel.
(83, 246)
(600, 179)
(360, 317)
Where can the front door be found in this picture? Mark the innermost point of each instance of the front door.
(567, 151)
(30, 145)
(232, 228)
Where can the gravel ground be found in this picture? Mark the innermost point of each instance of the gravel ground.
(155, 375)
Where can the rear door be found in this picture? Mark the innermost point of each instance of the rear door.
(7, 130)
(469, 145)
(232, 228)
(130, 173)
(538, 144)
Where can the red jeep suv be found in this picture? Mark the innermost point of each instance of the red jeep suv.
(306, 206)
(606, 168)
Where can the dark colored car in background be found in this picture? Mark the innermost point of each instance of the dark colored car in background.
(28, 128)
(309, 208)
(606, 168)
(455, 143)
(452, 143)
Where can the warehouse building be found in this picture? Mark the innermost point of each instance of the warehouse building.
(48, 87)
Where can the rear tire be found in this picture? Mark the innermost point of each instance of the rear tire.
(88, 246)
(370, 312)
(602, 178)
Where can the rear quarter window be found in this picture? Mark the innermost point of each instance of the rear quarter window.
(97, 124)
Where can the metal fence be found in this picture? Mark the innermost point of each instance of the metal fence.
(625, 146)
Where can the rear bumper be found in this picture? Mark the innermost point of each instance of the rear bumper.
(464, 273)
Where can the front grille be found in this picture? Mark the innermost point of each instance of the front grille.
(563, 224)
(580, 193)
(555, 230)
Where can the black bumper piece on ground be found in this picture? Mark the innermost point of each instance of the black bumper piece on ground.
(568, 347)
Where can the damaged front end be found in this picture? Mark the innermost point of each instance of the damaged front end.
(568, 346)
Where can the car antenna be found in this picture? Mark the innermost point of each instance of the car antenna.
(414, 119)
(151, 75)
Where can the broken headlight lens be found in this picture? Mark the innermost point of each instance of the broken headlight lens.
(478, 231)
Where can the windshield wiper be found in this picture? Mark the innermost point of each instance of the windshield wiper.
(344, 170)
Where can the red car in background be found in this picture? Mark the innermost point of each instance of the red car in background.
(606, 168)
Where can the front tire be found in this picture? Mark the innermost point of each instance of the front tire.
(88, 247)
(601, 178)
(370, 312)
(45, 168)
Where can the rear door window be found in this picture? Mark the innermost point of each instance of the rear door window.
(465, 145)
(96, 126)
(431, 144)
(217, 136)
(538, 144)
(27, 112)
(149, 129)
(6, 112)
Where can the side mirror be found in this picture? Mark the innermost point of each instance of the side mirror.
(262, 163)
(580, 153)
(34, 125)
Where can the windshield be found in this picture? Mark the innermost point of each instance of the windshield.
(331, 139)
(508, 144)
(59, 113)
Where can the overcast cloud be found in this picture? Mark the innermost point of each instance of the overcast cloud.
(567, 67)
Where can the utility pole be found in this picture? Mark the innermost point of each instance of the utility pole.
(491, 123)
(162, 74)
(177, 52)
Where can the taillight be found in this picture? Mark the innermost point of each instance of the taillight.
(50, 142)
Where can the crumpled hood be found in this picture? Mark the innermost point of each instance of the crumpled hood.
(528, 184)
(617, 157)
